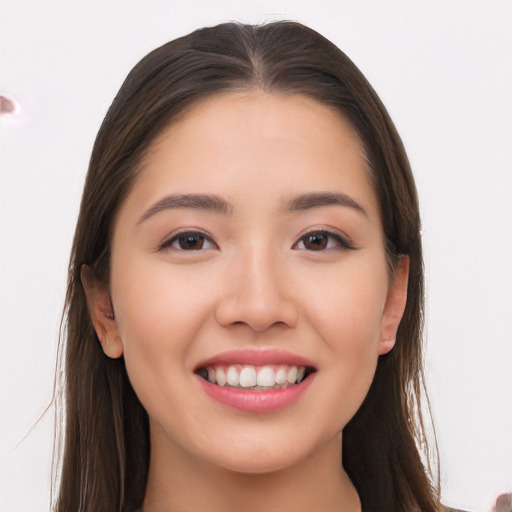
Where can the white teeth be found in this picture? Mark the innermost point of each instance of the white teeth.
(220, 377)
(266, 377)
(291, 377)
(232, 376)
(248, 377)
(211, 374)
(281, 375)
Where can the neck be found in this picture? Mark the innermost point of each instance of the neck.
(179, 482)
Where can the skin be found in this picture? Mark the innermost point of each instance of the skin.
(254, 281)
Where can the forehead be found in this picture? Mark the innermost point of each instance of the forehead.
(249, 142)
(256, 114)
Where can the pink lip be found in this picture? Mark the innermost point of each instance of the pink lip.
(257, 358)
(256, 400)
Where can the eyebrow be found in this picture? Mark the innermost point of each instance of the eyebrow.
(210, 203)
(217, 204)
(320, 199)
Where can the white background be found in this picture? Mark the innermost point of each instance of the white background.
(444, 71)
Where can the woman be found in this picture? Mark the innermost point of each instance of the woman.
(248, 257)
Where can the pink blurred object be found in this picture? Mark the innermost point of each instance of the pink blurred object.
(503, 503)
(7, 106)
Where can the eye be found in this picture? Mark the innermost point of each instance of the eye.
(322, 240)
(189, 241)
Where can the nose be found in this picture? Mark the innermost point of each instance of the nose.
(259, 294)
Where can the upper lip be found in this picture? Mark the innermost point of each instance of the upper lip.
(257, 357)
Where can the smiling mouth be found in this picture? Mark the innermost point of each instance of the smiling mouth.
(251, 377)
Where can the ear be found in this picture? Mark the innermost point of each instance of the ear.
(395, 306)
(101, 313)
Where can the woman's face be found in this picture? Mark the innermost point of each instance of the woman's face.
(250, 252)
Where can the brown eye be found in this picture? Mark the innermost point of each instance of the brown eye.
(315, 242)
(322, 241)
(189, 241)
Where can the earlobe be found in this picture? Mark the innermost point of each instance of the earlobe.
(394, 308)
(101, 313)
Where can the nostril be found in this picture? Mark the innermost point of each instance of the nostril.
(258, 301)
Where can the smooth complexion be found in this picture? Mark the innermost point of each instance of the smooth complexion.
(252, 227)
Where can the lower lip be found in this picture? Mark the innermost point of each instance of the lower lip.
(256, 400)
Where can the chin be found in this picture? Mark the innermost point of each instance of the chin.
(268, 454)
(258, 464)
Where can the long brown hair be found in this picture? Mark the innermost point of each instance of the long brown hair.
(105, 460)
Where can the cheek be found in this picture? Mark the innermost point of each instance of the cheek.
(158, 312)
(347, 314)
(349, 305)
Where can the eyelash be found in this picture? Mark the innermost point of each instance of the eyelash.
(340, 241)
(168, 244)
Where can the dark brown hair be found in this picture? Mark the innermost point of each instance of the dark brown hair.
(106, 440)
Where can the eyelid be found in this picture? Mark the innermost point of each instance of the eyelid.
(170, 239)
(344, 241)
